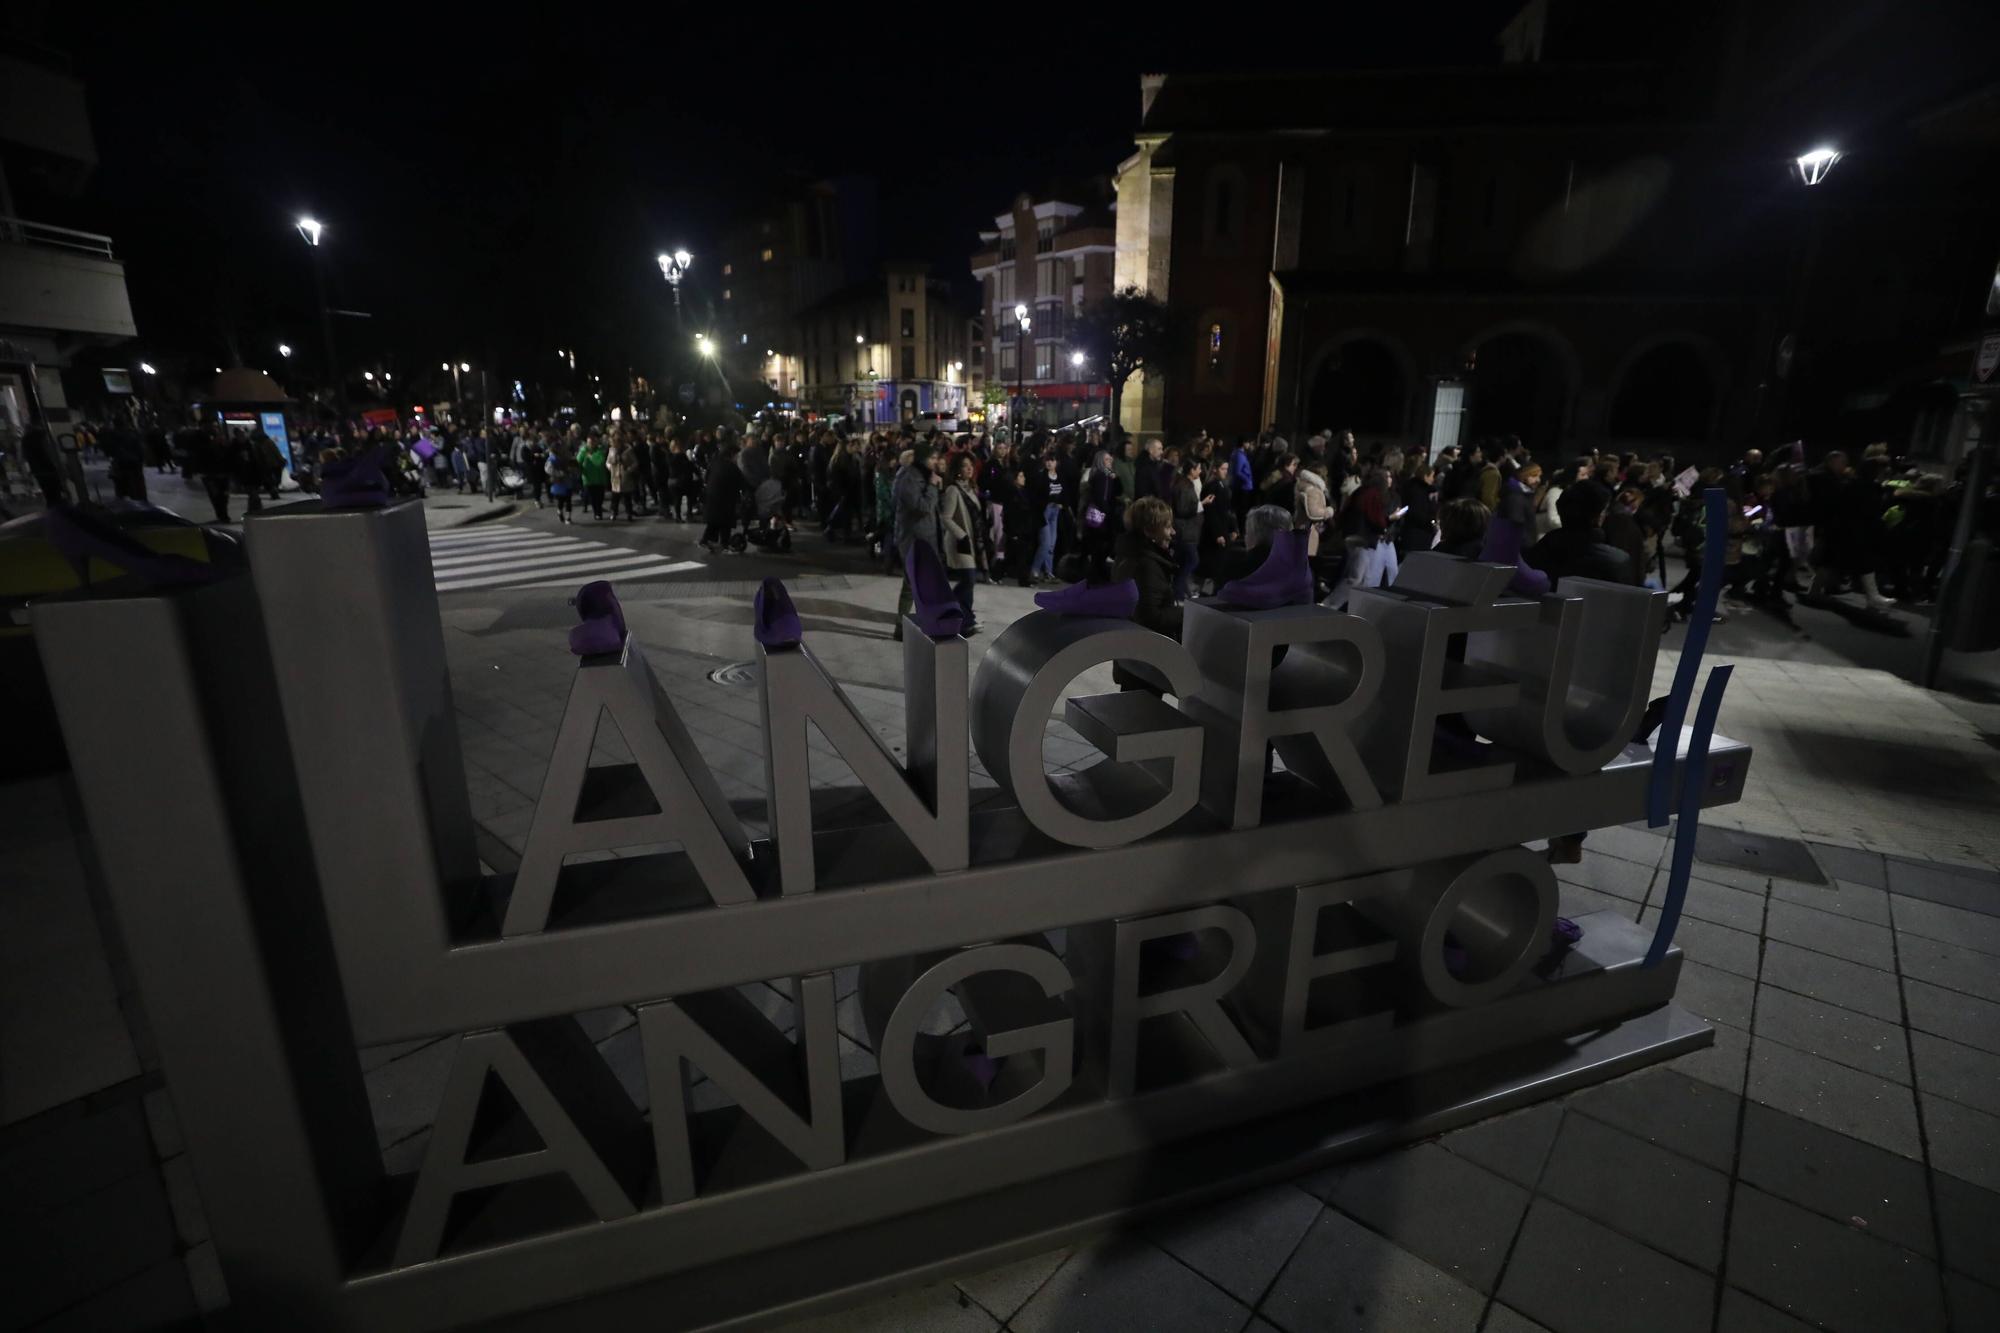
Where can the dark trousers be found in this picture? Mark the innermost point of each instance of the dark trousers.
(961, 587)
(218, 495)
(594, 497)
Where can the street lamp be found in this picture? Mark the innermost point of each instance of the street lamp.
(1022, 324)
(146, 368)
(1077, 359)
(673, 268)
(704, 345)
(368, 375)
(285, 350)
(1814, 166)
(311, 229)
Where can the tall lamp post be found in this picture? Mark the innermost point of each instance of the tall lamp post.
(673, 268)
(1022, 324)
(1812, 168)
(312, 231)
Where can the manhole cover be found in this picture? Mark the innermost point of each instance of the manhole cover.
(736, 673)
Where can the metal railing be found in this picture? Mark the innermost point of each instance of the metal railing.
(19, 231)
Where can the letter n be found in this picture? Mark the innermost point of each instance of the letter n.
(793, 1092)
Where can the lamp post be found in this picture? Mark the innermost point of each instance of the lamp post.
(1812, 168)
(1022, 324)
(673, 268)
(312, 230)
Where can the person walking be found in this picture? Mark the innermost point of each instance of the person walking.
(622, 471)
(914, 496)
(595, 473)
(964, 550)
(1050, 489)
(562, 474)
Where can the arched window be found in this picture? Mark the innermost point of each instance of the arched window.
(1222, 211)
(1215, 351)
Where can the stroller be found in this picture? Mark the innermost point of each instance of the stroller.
(769, 527)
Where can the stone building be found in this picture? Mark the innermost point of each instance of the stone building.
(1602, 237)
(890, 349)
(1068, 268)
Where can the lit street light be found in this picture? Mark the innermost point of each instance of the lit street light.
(703, 345)
(146, 368)
(284, 349)
(311, 230)
(673, 268)
(1814, 166)
(1021, 326)
(368, 375)
(1077, 359)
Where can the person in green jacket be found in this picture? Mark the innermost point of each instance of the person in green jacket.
(596, 473)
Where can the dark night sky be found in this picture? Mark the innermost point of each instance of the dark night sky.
(493, 191)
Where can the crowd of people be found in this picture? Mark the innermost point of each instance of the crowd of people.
(1061, 506)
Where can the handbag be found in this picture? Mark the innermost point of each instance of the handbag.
(1093, 517)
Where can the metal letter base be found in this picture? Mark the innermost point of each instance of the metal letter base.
(282, 825)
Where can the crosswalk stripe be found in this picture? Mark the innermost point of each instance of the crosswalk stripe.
(572, 567)
(467, 548)
(481, 535)
(671, 567)
(535, 560)
(516, 550)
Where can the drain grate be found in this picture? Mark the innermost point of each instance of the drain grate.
(739, 674)
(1759, 853)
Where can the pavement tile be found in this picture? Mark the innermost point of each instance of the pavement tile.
(1718, 946)
(404, 1093)
(1841, 1035)
(1002, 1291)
(1628, 844)
(1963, 1142)
(1821, 976)
(1439, 1206)
(1574, 901)
(157, 1298)
(1843, 937)
(85, 1247)
(1972, 1304)
(1750, 881)
(1951, 965)
(1724, 1063)
(1746, 1314)
(1343, 1276)
(73, 1156)
(1954, 887)
(1739, 909)
(1850, 863)
(1501, 1319)
(1576, 1276)
(1838, 1177)
(1241, 1244)
(1654, 1196)
(1513, 1145)
(1670, 1109)
(1848, 1100)
(938, 1308)
(1608, 874)
(1962, 1073)
(1719, 996)
(1954, 925)
(1969, 1221)
(1841, 897)
(1131, 1285)
(1826, 1272)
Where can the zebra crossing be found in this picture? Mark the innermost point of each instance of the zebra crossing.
(499, 557)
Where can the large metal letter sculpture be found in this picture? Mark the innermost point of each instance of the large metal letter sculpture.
(1022, 676)
(928, 802)
(793, 1092)
(1304, 705)
(1305, 955)
(582, 1130)
(691, 809)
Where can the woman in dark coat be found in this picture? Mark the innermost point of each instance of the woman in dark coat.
(722, 498)
(1145, 554)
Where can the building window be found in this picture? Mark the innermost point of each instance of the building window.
(767, 254)
(1007, 361)
(1007, 249)
(1223, 205)
(1045, 362)
(725, 293)
(1049, 319)
(909, 363)
(909, 322)
(1045, 236)
(1222, 214)
(1006, 287)
(744, 339)
(728, 269)
(979, 354)
(1214, 345)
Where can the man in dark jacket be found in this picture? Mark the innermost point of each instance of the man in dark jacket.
(915, 495)
(1578, 549)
